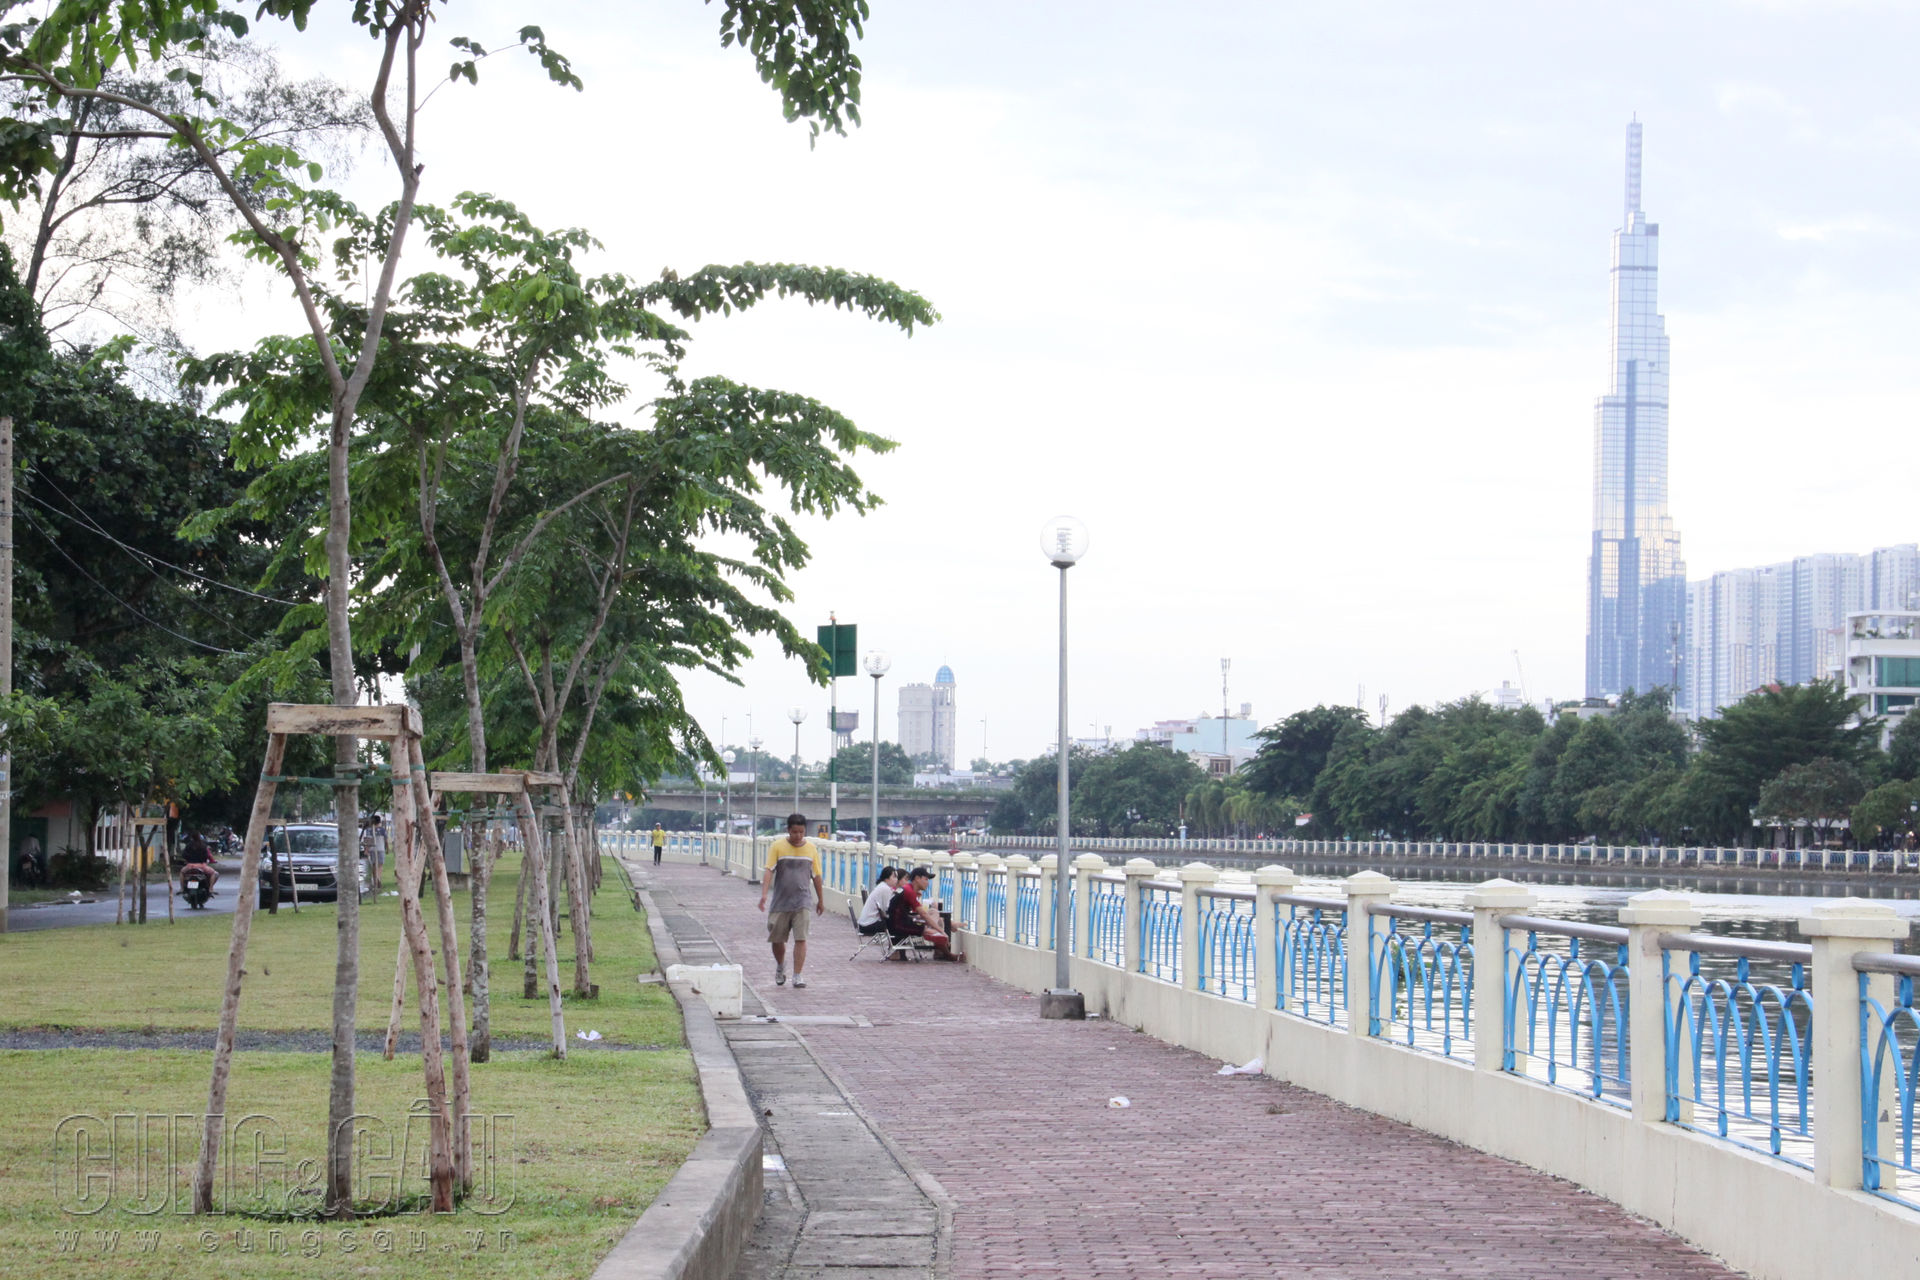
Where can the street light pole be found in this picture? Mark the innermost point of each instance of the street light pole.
(726, 817)
(753, 832)
(877, 664)
(797, 714)
(1063, 542)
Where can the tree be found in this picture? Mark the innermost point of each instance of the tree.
(1886, 811)
(855, 764)
(1774, 728)
(1293, 752)
(1595, 757)
(1903, 748)
(1136, 792)
(1820, 793)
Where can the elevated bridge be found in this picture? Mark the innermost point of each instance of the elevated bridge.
(916, 804)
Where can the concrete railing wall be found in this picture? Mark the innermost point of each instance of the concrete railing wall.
(1762, 1215)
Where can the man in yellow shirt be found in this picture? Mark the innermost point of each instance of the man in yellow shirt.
(659, 843)
(791, 863)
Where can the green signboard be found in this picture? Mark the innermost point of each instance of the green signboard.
(842, 646)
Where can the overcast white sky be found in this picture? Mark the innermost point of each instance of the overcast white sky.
(1302, 309)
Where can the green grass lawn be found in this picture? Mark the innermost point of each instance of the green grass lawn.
(583, 1145)
(169, 976)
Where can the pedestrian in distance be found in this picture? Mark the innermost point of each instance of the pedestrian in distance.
(659, 843)
(792, 862)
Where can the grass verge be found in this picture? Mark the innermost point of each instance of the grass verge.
(580, 1147)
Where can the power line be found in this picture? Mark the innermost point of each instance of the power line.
(80, 516)
(199, 644)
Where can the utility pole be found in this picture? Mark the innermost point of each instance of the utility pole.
(6, 657)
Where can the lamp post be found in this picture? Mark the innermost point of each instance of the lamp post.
(1063, 542)
(704, 829)
(877, 663)
(753, 832)
(797, 714)
(726, 812)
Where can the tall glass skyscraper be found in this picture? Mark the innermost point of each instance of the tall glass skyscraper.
(1636, 580)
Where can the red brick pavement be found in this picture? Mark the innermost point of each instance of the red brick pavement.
(1203, 1175)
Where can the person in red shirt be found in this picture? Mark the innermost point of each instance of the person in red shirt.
(909, 914)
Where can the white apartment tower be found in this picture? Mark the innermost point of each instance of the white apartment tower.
(927, 717)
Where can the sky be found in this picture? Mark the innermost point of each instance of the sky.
(1300, 308)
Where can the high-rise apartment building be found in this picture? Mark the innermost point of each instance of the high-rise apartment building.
(1785, 623)
(927, 718)
(1636, 579)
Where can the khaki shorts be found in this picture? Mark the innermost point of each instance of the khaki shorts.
(782, 923)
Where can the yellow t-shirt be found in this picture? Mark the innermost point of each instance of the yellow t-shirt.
(794, 871)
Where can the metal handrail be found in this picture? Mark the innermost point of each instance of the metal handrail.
(1107, 877)
(1435, 914)
(1318, 904)
(1171, 886)
(1566, 928)
(1240, 895)
(1886, 962)
(1714, 944)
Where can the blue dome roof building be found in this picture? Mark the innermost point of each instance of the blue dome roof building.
(945, 676)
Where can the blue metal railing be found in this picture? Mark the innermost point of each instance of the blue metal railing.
(1026, 909)
(1107, 919)
(1889, 1072)
(1420, 989)
(1160, 930)
(1566, 1009)
(996, 922)
(970, 897)
(1226, 943)
(1310, 960)
(1050, 919)
(1730, 1039)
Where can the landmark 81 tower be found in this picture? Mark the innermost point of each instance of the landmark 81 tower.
(1636, 580)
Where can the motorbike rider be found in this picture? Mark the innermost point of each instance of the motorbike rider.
(199, 853)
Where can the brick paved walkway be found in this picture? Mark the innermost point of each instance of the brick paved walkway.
(1203, 1175)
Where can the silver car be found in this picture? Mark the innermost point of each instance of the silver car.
(304, 857)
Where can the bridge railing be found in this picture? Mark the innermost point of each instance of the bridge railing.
(1703, 858)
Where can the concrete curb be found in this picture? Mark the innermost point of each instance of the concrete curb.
(700, 1223)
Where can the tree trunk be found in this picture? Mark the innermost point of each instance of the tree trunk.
(519, 906)
(537, 909)
(480, 1048)
(236, 959)
(577, 907)
(413, 927)
(450, 962)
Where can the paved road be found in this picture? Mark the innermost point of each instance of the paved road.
(26, 918)
(1202, 1175)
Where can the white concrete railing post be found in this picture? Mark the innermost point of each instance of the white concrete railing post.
(989, 864)
(1194, 877)
(1085, 866)
(1839, 931)
(1489, 901)
(1137, 871)
(963, 863)
(1043, 924)
(1268, 884)
(1015, 865)
(1362, 888)
(1647, 916)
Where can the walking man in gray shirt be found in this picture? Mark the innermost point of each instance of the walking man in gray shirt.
(791, 864)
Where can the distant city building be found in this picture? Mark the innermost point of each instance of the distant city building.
(1636, 579)
(1786, 623)
(1507, 697)
(927, 718)
(1220, 746)
(1883, 664)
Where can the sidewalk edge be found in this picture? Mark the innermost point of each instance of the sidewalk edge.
(699, 1224)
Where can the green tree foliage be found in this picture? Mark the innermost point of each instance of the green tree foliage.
(1818, 793)
(1140, 791)
(1903, 749)
(1293, 752)
(1887, 812)
(854, 765)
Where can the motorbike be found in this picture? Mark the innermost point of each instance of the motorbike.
(196, 884)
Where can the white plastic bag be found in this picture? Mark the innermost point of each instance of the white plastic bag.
(1118, 1103)
(1253, 1068)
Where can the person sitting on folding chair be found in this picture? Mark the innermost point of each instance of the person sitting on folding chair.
(873, 916)
(909, 917)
